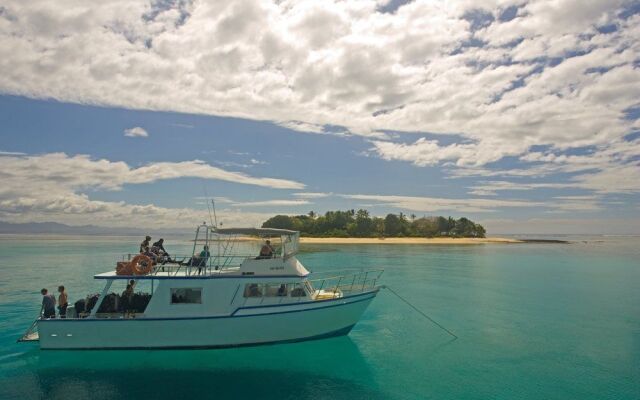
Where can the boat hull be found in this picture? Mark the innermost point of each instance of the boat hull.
(247, 326)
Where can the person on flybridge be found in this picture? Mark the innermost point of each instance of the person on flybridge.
(266, 251)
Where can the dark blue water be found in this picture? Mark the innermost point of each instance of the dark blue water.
(535, 321)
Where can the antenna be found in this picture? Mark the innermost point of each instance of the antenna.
(206, 197)
(215, 217)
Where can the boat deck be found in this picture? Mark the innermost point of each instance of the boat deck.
(171, 272)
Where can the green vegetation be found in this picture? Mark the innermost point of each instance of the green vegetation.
(359, 223)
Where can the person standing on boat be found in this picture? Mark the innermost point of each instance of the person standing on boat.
(48, 304)
(204, 254)
(144, 246)
(62, 302)
(203, 258)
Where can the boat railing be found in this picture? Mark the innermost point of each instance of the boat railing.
(344, 284)
(193, 264)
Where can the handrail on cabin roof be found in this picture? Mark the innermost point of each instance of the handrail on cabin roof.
(254, 231)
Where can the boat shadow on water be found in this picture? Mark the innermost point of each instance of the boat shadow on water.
(332, 369)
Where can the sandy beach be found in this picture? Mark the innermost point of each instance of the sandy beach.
(407, 240)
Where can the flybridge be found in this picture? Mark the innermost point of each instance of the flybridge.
(224, 262)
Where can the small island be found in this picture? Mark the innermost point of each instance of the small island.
(359, 227)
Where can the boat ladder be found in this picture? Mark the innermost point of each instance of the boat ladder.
(31, 335)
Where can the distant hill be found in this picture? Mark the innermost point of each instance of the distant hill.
(63, 229)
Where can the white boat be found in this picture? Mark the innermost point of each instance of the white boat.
(224, 300)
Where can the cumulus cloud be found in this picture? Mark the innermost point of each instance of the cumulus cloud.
(136, 132)
(302, 126)
(505, 76)
(55, 186)
(476, 205)
(81, 171)
(604, 169)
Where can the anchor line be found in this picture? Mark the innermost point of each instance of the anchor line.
(420, 311)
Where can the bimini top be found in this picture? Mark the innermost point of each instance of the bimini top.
(254, 231)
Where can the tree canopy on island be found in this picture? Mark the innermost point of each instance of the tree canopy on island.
(351, 223)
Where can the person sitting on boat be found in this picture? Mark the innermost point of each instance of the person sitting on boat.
(63, 302)
(158, 249)
(199, 260)
(48, 304)
(266, 251)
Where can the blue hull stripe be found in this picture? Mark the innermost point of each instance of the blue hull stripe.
(339, 332)
(233, 315)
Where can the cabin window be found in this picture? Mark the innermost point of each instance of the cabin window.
(253, 290)
(297, 291)
(276, 290)
(271, 289)
(186, 296)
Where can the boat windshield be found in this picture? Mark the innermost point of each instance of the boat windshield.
(289, 240)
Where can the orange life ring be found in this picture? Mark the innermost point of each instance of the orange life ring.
(141, 265)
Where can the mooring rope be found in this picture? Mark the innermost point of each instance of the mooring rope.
(420, 312)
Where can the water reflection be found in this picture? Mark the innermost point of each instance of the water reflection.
(331, 369)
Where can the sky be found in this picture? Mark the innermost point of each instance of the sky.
(521, 115)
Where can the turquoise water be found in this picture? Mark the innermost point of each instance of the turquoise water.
(535, 321)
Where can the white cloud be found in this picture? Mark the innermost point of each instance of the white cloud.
(548, 77)
(476, 205)
(55, 187)
(136, 132)
(305, 65)
(432, 204)
(269, 203)
(428, 152)
(312, 195)
(491, 188)
(261, 203)
(302, 126)
(605, 169)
